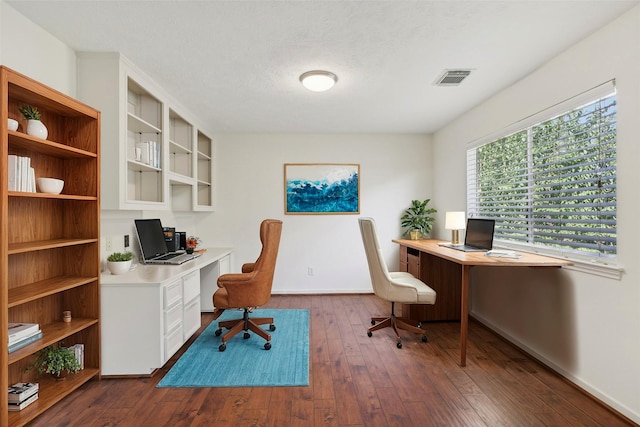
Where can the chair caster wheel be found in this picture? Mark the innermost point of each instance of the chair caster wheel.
(267, 346)
(399, 345)
(222, 347)
(246, 336)
(272, 327)
(218, 332)
(369, 334)
(373, 322)
(424, 338)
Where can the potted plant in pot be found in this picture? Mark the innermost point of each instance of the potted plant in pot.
(57, 361)
(192, 244)
(34, 126)
(119, 262)
(417, 220)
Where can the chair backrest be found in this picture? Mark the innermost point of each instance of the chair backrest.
(265, 265)
(380, 279)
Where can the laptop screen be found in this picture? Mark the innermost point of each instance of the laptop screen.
(151, 238)
(480, 233)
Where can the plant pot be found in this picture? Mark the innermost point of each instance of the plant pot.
(61, 376)
(190, 250)
(119, 267)
(415, 235)
(37, 128)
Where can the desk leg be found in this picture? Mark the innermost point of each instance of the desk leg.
(464, 314)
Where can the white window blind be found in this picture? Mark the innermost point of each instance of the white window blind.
(551, 182)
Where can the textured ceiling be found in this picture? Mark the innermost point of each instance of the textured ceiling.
(236, 63)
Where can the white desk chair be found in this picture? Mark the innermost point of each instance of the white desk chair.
(392, 286)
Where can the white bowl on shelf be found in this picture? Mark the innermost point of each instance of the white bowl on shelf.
(50, 185)
(12, 124)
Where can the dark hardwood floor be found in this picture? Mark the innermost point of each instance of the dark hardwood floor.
(356, 381)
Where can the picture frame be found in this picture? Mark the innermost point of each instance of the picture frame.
(321, 189)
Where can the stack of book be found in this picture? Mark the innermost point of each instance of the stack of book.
(149, 153)
(21, 175)
(78, 349)
(22, 334)
(22, 395)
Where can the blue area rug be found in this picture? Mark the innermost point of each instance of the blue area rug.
(245, 363)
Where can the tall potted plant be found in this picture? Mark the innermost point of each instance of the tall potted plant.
(417, 220)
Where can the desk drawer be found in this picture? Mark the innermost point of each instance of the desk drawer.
(191, 284)
(172, 317)
(191, 318)
(172, 343)
(172, 293)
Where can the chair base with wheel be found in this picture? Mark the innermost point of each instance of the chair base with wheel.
(396, 323)
(245, 324)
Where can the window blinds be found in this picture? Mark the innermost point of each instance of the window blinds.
(552, 183)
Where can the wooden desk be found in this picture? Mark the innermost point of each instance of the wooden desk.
(441, 268)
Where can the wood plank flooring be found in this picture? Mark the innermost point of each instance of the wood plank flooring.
(356, 381)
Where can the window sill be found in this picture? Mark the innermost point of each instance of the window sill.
(595, 267)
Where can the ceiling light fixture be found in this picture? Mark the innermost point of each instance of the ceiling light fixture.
(318, 80)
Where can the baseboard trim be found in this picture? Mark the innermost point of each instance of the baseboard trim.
(616, 407)
(321, 292)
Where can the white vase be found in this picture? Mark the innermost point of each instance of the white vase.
(37, 128)
(119, 267)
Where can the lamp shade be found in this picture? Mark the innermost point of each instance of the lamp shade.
(318, 80)
(454, 221)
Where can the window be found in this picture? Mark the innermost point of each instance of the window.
(550, 181)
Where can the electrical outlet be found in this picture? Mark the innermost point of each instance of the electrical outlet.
(310, 271)
(108, 244)
(126, 241)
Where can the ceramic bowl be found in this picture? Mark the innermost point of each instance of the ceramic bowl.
(50, 185)
(13, 124)
(120, 267)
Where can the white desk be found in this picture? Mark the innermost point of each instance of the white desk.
(148, 313)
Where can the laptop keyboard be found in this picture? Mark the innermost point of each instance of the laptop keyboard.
(166, 257)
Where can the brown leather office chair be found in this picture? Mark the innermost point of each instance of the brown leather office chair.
(249, 289)
(392, 286)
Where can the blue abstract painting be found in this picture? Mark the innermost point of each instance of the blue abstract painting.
(322, 188)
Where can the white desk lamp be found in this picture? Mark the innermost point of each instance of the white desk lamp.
(455, 222)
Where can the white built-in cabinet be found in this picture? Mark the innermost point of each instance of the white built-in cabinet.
(150, 312)
(155, 154)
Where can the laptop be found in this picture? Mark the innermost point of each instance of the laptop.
(479, 236)
(153, 246)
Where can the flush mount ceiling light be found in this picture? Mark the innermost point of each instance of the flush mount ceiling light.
(318, 81)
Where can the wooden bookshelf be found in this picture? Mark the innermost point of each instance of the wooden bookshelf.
(49, 243)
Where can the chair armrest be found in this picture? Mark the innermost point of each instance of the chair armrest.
(248, 267)
(242, 290)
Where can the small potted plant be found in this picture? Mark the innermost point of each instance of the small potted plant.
(192, 243)
(34, 126)
(119, 262)
(417, 219)
(57, 361)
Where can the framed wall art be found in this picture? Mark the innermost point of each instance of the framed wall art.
(321, 188)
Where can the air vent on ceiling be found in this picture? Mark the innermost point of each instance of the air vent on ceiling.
(452, 77)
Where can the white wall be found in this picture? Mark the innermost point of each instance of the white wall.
(394, 169)
(28, 49)
(586, 326)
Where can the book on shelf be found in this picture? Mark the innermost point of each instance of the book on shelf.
(78, 349)
(24, 342)
(21, 175)
(21, 391)
(19, 330)
(21, 405)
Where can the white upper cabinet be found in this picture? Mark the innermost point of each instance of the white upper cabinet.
(151, 149)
